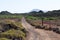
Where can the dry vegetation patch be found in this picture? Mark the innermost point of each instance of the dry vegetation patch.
(52, 24)
(12, 29)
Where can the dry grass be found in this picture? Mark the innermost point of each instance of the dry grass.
(12, 32)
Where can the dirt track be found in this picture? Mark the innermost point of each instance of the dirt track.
(37, 34)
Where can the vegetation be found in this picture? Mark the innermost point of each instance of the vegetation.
(10, 16)
(40, 18)
(46, 23)
(4, 39)
(12, 29)
(12, 33)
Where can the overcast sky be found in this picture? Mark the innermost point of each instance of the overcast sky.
(27, 5)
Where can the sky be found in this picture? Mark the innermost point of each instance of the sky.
(21, 6)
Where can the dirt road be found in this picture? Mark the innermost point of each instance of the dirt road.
(33, 33)
(37, 34)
